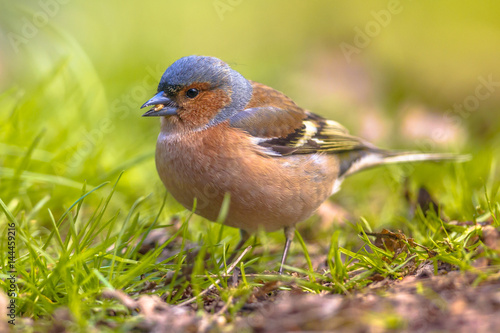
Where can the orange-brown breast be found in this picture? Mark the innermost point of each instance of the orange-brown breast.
(268, 192)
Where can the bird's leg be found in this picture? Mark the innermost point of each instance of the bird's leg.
(244, 237)
(289, 233)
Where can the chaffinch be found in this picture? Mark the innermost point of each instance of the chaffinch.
(221, 133)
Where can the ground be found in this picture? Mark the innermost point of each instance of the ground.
(392, 283)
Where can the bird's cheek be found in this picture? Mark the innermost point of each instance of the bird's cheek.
(212, 102)
(204, 108)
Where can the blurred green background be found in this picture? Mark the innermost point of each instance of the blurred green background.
(73, 75)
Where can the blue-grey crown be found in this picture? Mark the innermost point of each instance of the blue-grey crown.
(188, 70)
(217, 73)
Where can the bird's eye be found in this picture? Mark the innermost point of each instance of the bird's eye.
(192, 93)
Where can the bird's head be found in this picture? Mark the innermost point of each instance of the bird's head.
(196, 92)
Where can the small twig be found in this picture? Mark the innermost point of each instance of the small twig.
(356, 272)
(218, 314)
(256, 275)
(229, 270)
(224, 308)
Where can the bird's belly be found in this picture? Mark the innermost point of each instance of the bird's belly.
(265, 192)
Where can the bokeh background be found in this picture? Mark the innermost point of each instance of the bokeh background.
(421, 75)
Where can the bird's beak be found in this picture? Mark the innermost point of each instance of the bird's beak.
(163, 106)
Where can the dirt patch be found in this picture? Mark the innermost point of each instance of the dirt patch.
(439, 303)
(456, 301)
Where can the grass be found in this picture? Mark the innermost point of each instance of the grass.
(80, 187)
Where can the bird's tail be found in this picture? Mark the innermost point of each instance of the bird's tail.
(366, 159)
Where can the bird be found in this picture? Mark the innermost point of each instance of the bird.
(221, 134)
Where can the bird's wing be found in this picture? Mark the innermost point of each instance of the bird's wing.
(278, 127)
(277, 124)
